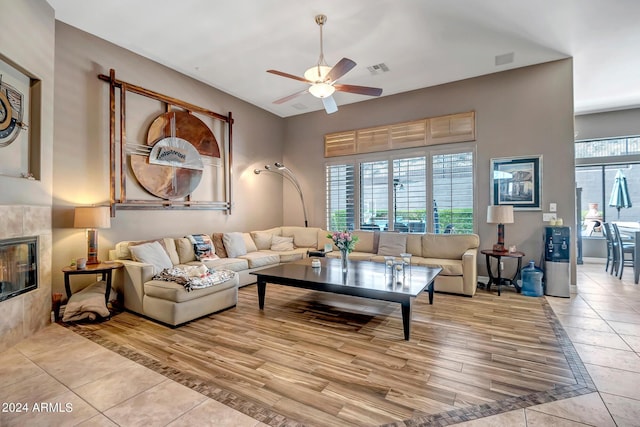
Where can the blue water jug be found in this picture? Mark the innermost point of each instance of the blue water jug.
(531, 280)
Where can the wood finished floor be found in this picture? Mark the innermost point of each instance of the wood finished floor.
(323, 359)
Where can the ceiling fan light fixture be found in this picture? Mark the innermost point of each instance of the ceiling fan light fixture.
(317, 73)
(322, 90)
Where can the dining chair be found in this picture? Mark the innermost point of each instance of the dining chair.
(612, 257)
(623, 248)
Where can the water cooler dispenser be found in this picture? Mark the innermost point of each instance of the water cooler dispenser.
(557, 272)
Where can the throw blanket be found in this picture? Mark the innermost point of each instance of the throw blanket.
(194, 277)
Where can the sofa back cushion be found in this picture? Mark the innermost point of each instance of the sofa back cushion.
(303, 237)
(324, 240)
(262, 239)
(414, 244)
(448, 246)
(366, 241)
(249, 243)
(392, 244)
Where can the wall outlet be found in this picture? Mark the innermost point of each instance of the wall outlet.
(548, 216)
(553, 207)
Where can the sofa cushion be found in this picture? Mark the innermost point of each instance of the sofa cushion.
(303, 237)
(152, 253)
(235, 264)
(324, 240)
(184, 247)
(414, 244)
(234, 244)
(218, 245)
(202, 246)
(392, 244)
(450, 246)
(261, 259)
(282, 243)
(293, 255)
(366, 241)
(249, 243)
(450, 267)
(172, 291)
(262, 239)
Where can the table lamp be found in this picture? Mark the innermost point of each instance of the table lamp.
(500, 215)
(92, 218)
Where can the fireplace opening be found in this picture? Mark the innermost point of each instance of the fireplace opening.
(18, 266)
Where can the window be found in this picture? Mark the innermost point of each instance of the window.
(374, 195)
(410, 194)
(597, 164)
(340, 197)
(426, 191)
(452, 176)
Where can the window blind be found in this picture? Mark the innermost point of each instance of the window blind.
(374, 195)
(410, 194)
(452, 181)
(340, 182)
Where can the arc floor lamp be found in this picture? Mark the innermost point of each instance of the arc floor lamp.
(285, 172)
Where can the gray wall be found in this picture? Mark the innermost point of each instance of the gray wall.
(523, 112)
(608, 124)
(81, 159)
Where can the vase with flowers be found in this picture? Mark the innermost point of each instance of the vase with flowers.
(345, 242)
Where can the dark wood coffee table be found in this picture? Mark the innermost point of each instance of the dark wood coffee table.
(363, 279)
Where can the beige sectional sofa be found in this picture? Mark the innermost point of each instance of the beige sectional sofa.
(243, 253)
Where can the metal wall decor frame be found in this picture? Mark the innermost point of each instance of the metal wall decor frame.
(120, 201)
(517, 181)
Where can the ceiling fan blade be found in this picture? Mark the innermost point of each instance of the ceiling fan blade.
(340, 69)
(290, 76)
(361, 90)
(290, 97)
(330, 105)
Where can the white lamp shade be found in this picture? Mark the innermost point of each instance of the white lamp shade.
(317, 73)
(500, 214)
(92, 217)
(322, 90)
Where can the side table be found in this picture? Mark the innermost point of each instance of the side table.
(499, 280)
(103, 268)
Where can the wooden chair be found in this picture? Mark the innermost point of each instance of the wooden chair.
(611, 248)
(623, 248)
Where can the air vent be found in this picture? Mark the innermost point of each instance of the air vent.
(506, 58)
(299, 106)
(378, 68)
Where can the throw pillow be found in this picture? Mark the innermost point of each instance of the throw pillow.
(87, 303)
(234, 244)
(262, 239)
(392, 244)
(280, 243)
(151, 253)
(218, 245)
(202, 246)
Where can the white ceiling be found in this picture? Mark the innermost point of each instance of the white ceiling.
(230, 44)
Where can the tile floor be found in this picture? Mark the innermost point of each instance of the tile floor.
(59, 378)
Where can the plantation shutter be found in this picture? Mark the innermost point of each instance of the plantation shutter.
(410, 194)
(452, 180)
(340, 181)
(374, 195)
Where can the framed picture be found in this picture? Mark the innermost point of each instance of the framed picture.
(517, 181)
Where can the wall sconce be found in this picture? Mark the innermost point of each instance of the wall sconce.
(92, 218)
(282, 170)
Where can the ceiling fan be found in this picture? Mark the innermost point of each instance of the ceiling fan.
(323, 78)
